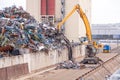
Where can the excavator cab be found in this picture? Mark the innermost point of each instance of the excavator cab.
(90, 55)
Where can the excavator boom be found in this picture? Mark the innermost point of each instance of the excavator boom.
(84, 18)
(91, 48)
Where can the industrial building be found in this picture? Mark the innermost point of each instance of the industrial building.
(106, 31)
(57, 9)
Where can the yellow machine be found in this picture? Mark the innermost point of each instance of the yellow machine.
(91, 47)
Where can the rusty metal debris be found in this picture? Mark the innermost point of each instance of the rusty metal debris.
(20, 30)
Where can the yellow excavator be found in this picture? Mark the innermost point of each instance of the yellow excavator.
(92, 46)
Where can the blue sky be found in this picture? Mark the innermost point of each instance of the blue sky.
(103, 11)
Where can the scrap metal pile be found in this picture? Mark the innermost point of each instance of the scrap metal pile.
(18, 29)
(70, 65)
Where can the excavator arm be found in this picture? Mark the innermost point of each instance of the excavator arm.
(91, 46)
(85, 20)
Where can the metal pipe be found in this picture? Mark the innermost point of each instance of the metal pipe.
(63, 14)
